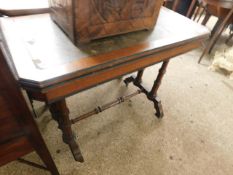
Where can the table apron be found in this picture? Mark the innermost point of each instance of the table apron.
(71, 87)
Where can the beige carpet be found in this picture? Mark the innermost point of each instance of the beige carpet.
(195, 137)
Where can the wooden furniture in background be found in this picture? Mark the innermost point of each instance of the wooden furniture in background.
(23, 7)
(50, 68)
(19, 134)
(192, 8)
(185, 8)
(86, 20)
(197, 7)
(175, 5)
(172, 4)
(168, 3)
(223, 10)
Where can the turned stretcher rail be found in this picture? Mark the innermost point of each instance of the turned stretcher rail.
(100, 109)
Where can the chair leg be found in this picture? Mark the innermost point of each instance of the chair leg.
(213, 32)
(217, 34)
(175, 5)
(201, 14)
(216, 26)
(197, 12)
(214, 42)
(32, 105)
(206, 19)
(211, 44)
(44, 154)
(191, 8)
(230, 34)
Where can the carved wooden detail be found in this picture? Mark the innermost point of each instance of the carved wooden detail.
(117, 10)
(110, 10)
(62, 14)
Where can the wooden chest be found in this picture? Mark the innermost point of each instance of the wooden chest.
(85, 20)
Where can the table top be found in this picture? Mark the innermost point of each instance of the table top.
(43, 55)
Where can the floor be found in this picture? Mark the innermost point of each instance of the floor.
(195, 137)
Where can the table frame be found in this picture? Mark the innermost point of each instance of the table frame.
(58, 106)
(60, 111)
(53, 89)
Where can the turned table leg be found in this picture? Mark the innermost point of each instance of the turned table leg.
(60, 113)
(153, 93)
(139, 76)
(159, 78)
(136, 80)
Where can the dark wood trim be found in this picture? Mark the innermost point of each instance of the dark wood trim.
(83, 66)
(77, 85)
(60, 113)
(30, 138)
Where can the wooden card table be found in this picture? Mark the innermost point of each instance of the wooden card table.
(50, 68)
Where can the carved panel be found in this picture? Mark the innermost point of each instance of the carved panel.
(109, 11)
(92, 19)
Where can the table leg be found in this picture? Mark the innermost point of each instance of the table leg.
(136, 80)
(159, 78)
(60, 113)
(152, 94)
(139, 76)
